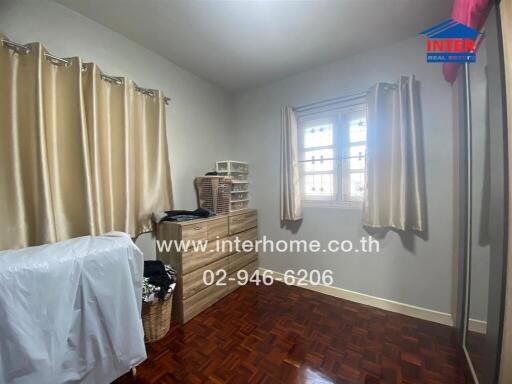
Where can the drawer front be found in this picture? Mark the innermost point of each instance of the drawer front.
(191, 260)
(193, 282)
(242, 238)
(241, 259)
(251, 234)
(233, 281)
(202, 300)
(217, 228)
(194, 232)
(242, 222)
(164, 232)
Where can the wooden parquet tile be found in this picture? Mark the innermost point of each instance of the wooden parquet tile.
(283, 334)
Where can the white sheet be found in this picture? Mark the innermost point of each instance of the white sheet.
(70, 311)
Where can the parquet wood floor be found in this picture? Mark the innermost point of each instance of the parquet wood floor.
(284, 334)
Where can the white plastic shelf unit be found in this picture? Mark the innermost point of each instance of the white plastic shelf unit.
(239, 171)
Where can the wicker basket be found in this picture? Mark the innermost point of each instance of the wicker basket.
(156, 319)
(214, 192)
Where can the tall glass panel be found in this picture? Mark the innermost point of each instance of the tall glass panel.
(487, 208)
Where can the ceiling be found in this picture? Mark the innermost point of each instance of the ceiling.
(242, 44)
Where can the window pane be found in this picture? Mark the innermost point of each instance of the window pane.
(313, 160)
(357, 185)
(357, 130)
(319, 185)
(357, 156)
(318, 136)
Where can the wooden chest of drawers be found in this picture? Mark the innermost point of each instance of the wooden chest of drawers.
(192, 295)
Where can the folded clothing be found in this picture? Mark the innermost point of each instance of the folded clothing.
(182, 215)
(159, 279)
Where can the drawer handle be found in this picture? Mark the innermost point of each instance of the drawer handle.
(197, 227)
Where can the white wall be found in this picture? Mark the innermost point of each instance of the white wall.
(198, 118)
(415, 272)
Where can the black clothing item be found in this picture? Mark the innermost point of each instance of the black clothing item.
(187, 215)
(212, 173)
(155, 271)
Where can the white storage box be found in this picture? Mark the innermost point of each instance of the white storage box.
(232, 166)
(240, 186)
(235, 175)
(239, 173)
(237, 205)
(237, 196)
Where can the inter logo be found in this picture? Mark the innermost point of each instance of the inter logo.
(451, 42)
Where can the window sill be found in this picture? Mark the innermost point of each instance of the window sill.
(352, 205)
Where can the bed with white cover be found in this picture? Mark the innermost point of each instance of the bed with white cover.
(70, 311)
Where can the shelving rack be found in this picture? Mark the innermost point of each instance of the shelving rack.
(239, 172)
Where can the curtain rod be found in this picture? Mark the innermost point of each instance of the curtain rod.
(329, 102)
(112, 79)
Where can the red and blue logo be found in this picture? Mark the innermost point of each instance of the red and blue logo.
(451, 42)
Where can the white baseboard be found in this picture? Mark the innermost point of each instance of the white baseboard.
(474, 325)
(377, 302)
(478, 326)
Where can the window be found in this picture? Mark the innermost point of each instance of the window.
(332, 155)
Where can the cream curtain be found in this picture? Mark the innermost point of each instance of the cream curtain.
(291, 199)
(78, 154)
(395, 184)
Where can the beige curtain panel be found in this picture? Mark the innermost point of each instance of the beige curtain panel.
(79, 155)
(291, 199)
(395, 183)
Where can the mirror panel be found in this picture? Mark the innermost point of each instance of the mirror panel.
(488, 207)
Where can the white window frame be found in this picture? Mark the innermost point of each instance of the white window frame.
(341, 147)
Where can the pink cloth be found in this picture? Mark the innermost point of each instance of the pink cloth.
(472, 13)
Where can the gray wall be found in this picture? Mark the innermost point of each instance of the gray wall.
(198, 118)
(410, 270)
(204, 126)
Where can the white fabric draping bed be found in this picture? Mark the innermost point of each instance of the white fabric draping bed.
(70, 311)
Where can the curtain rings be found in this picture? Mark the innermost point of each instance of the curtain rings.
(15, 46)
(25, 49)
(112, 79)
(57, 60)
